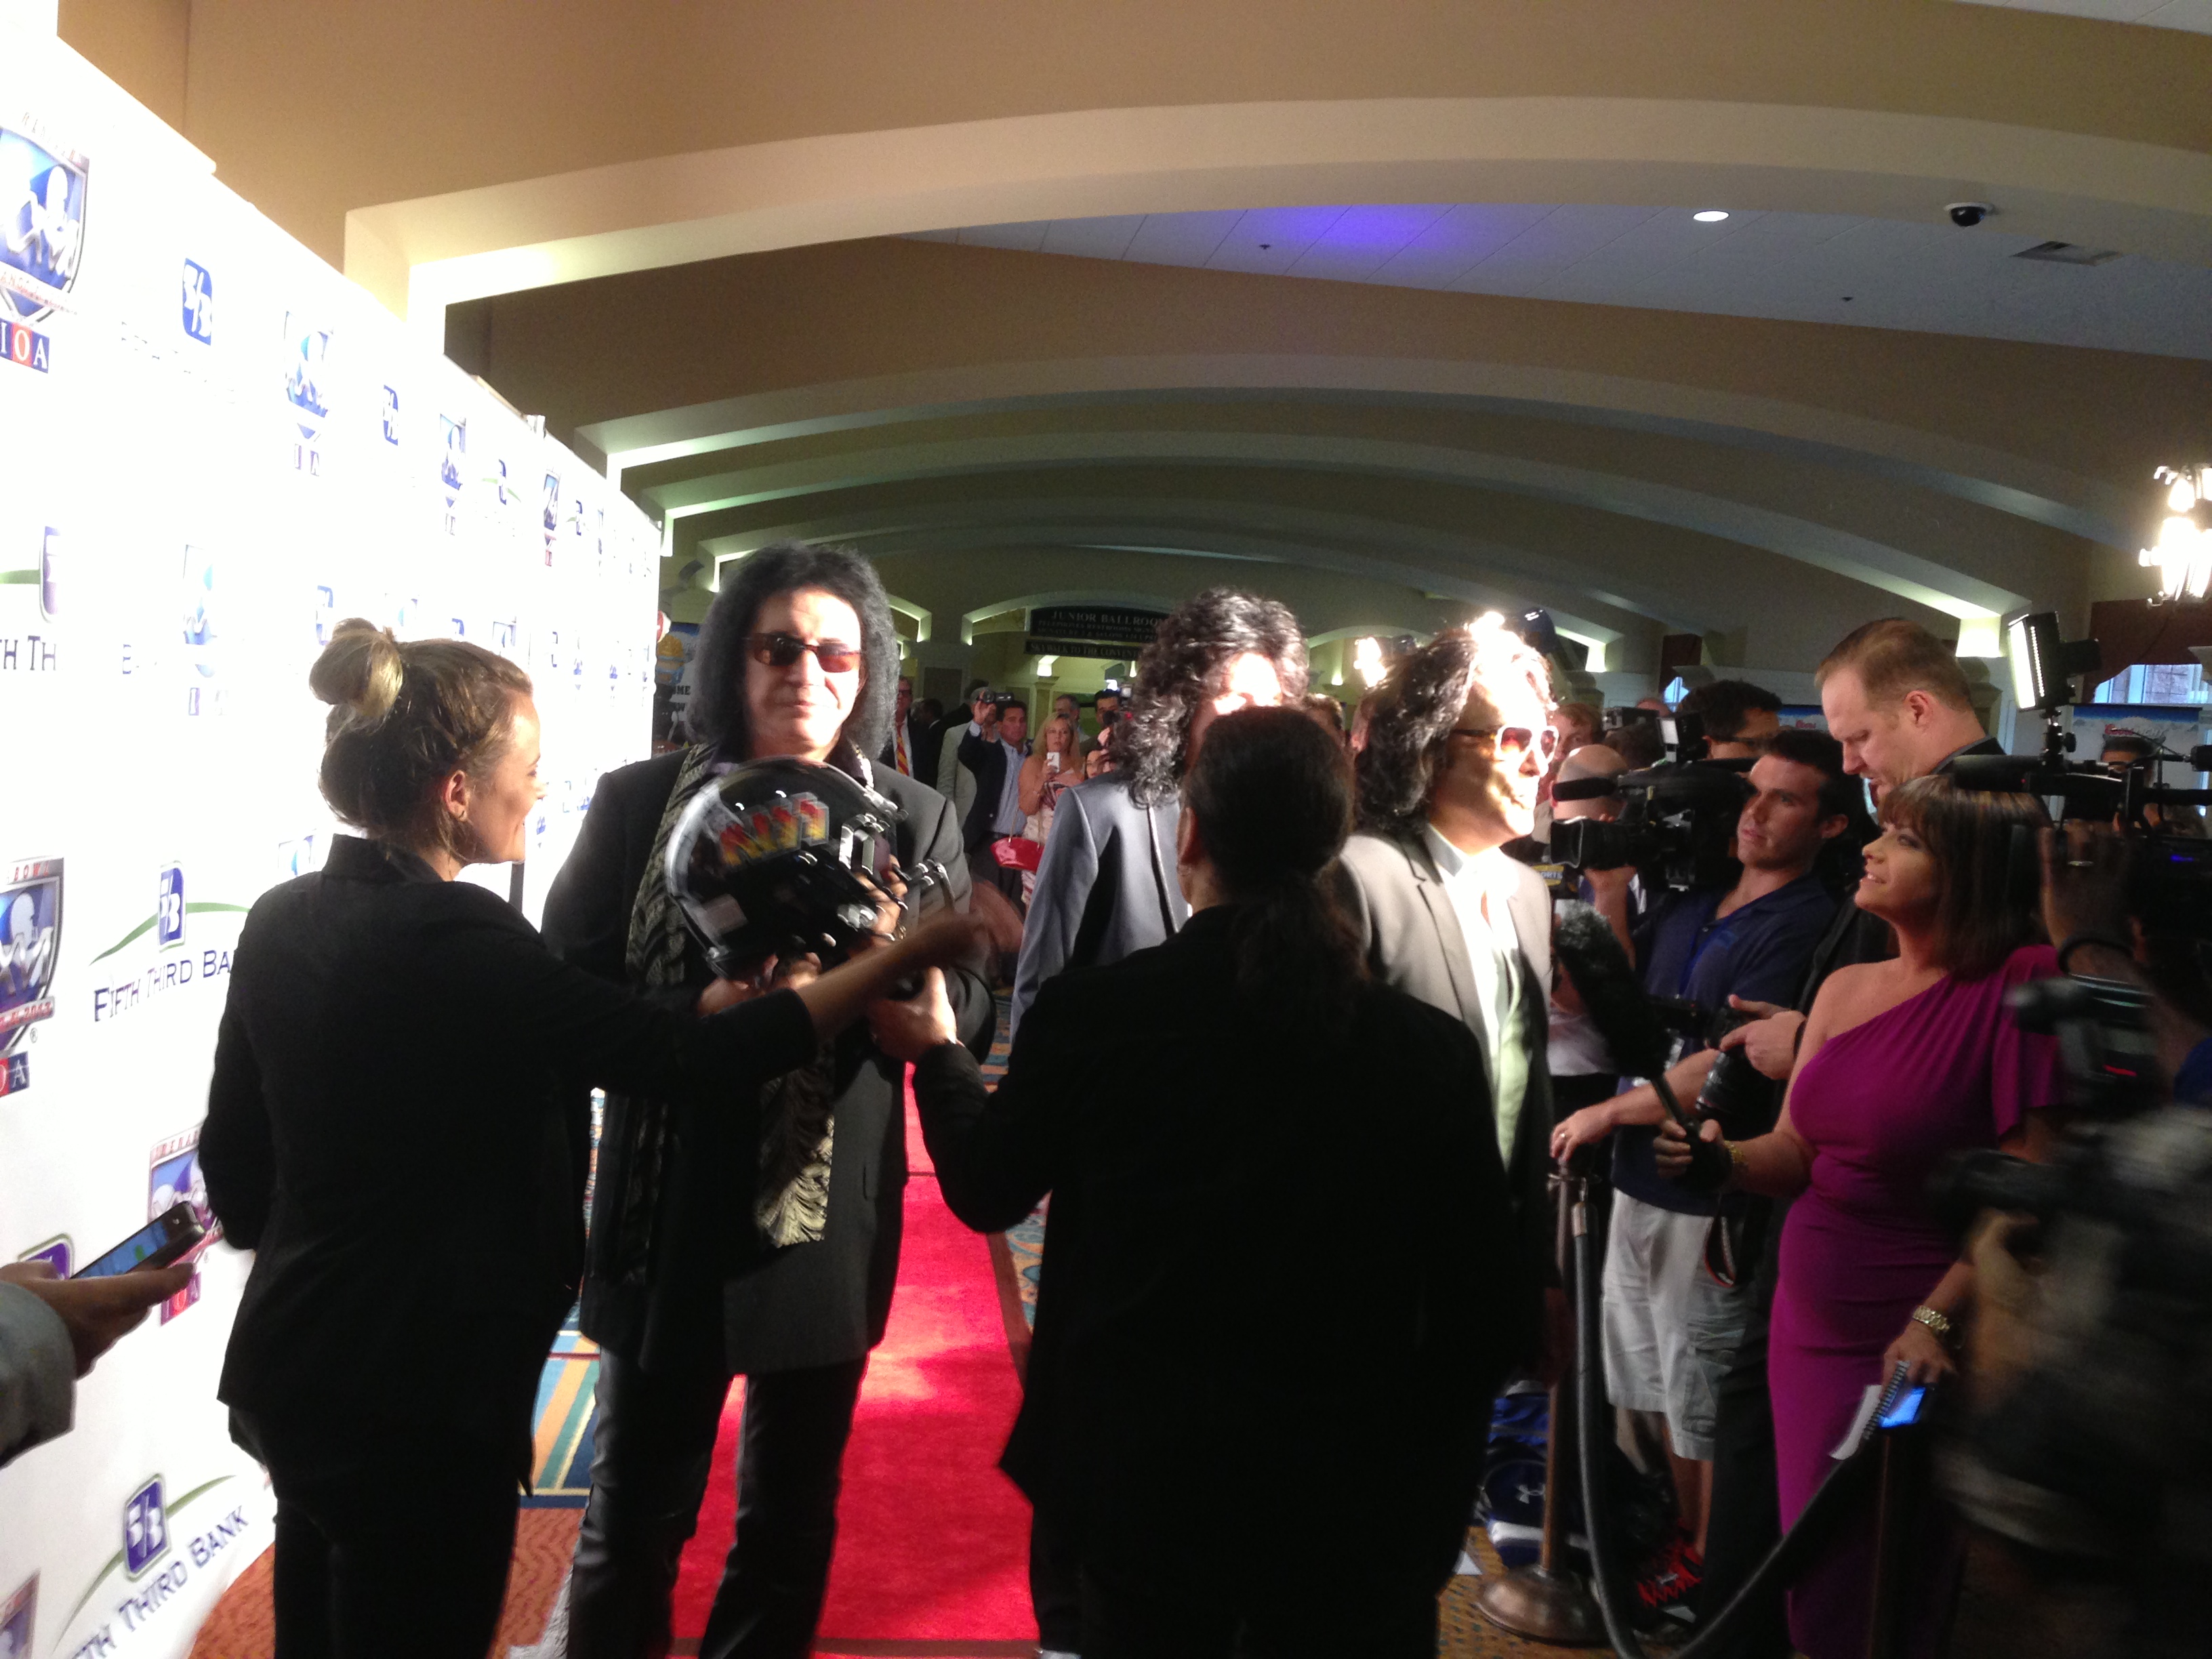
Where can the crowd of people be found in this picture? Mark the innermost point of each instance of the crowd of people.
(1290, 981)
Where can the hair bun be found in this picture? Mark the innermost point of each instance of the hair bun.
(359, 670)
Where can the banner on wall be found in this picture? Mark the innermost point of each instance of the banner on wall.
(217, 449)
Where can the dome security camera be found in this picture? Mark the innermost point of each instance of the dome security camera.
(1968, 215)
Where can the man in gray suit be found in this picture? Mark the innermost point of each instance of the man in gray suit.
(1458, 740)
(1108, 886)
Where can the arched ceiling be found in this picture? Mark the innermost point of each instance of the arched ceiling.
(680, 233)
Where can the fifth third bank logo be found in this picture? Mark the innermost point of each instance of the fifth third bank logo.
(169, 907)
(145, 1529)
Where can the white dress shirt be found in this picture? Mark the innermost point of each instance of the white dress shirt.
(1477, 884)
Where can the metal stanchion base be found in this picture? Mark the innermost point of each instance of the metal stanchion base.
(1543, 1605)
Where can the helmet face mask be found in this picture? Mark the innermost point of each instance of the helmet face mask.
(783, 857)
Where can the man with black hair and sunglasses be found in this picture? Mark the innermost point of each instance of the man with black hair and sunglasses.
(710, 1258)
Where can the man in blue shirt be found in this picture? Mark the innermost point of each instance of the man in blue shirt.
(1670, 1328)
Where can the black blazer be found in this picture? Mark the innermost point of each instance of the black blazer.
(1281, 1279)
(1107, 886)
(988, 759)
(711, 1296)
(384, 1131)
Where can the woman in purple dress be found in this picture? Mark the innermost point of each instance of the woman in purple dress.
(1902, 1063)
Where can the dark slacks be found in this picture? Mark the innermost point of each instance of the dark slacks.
(388, 1541)
(1055, 1585)
(654, 1443)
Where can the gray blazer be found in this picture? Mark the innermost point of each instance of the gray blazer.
(1108, 884)
(1394, 894)
(38, 1372)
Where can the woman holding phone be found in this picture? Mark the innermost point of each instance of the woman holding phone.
(383, 1131)
(1052, 766)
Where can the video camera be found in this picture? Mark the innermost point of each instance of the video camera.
(1677, 826)
(2171, 879)
(2096, 1448)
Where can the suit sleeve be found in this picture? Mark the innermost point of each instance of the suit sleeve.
(37, 1373)
(489, 961)
(237, 1152)
(997, 1152)
(1065, 877)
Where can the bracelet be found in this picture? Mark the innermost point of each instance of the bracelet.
(1739, 1159)
(1946, 1332)
(2080, 941)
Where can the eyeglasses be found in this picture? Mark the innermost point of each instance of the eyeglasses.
(781, 650)
(1513, 739)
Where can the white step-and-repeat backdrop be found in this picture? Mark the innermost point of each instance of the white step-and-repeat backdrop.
(215, 448)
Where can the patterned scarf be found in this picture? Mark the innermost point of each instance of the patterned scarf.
(791, 1204)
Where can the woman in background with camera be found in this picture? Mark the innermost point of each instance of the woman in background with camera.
(384, 1132)
(1903, 1062)
(1054, 763)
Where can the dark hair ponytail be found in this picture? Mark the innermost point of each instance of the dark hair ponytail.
(1271, 796)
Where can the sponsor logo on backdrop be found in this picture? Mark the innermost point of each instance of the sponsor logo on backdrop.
(18, 1619)
(198, 302)
(202, 637)
(145, 1529)
(173, 968)
(391, 415)
(449, 469)
(298, 857)
(27, 653)
(307, 358)
(169, 907)
(552, 516)
(56, 1253)
(326, 613)
(41, 238)
(30, 952)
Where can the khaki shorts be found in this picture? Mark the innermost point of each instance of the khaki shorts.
(1671, 1331)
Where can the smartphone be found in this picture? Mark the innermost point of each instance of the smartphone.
(1052, 758)
(1906, 1411)
(159, 1242)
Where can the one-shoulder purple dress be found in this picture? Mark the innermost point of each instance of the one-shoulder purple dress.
(1881, 1105)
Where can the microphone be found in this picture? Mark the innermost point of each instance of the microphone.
(1590, 953)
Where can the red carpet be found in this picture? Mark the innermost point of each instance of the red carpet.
(932, 1543)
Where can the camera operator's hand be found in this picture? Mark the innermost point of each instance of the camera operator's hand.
(986, 712)
(2084, 891)
(98, 1312)
(1921, 1353)
(1769, 1042)
(1672, 1154)
(909, 1029)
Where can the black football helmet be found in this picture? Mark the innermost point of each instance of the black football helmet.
(785, 857)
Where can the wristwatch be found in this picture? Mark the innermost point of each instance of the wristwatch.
(1946, 1332)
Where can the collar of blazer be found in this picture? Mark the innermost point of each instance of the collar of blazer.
(1161, 819)
(1528, 901)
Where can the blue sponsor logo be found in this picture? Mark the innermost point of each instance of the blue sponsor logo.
(145, 1529)
(41, 224)
(199, 302)
(14, 1077)
(326, 612)
(26, 348)
(50, 575)
(30, 950)
(169, 907)
(391, 415)
(307, 356)
(449, 468)
(201, 638)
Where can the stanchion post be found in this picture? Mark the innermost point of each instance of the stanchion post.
(1546, 1602)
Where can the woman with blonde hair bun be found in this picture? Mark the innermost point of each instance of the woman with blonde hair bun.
(384, 1132)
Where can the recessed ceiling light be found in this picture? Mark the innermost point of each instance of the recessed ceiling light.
(1710, 215)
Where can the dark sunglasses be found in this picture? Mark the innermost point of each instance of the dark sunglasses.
(781, 650)
(1512, 739)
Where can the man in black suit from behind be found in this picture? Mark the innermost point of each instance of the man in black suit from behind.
(703, 1263)
(1108, 886)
